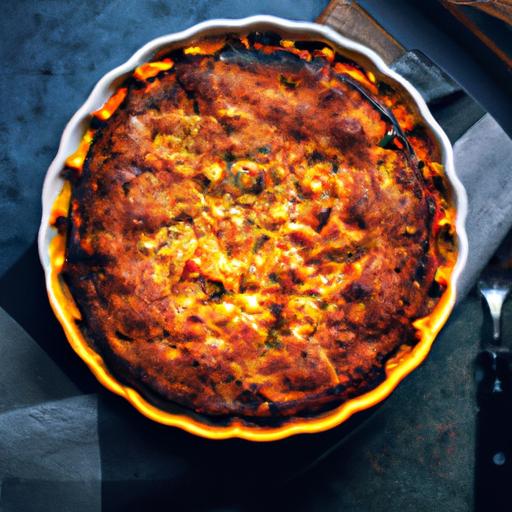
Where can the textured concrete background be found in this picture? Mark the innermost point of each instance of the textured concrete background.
(415, 454)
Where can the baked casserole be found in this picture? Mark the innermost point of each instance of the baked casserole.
(255, 226)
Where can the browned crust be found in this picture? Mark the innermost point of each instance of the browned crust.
(281, 286)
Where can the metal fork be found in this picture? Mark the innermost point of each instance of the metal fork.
(495, 289)
(493, 454)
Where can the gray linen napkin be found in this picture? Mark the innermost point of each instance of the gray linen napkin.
(48, 450)
(483, 159)
(48, 431)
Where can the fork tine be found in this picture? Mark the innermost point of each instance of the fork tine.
(495, 294)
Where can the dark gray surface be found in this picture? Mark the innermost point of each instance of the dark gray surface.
(415, 454)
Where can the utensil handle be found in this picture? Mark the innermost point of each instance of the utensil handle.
(493, 461)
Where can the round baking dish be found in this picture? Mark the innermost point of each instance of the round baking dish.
(51, 247)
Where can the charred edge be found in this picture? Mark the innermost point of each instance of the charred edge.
(214, 289)
(246, 58)
(440, 185)
(316, 156)
(260, 241)
(323, 218)
(431, 210)
(183, 217)
(191, 95)
(421, 270)
(264, 38)
(74, 252)
(62, 224)
(287, 83)
(123, 337)
(311, 45)
(277, 313)
(435, 290)
(259, 185)
(357, 292)
(251, 398)
(232, 43)
(273, 341)
(97, 123)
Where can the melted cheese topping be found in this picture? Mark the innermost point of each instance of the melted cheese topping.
(240, 240)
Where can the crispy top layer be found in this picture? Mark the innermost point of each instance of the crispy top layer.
(241, 243)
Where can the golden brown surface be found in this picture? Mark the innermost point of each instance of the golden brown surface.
(241, 244)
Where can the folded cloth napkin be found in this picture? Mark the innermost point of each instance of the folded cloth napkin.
(63, 450)
(483, 159)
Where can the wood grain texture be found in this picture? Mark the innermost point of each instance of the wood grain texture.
(502, 11)
(351, 20)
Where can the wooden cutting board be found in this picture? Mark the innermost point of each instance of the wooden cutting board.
(350, 19)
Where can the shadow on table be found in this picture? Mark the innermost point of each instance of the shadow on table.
(191, 473)
(23, 296)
